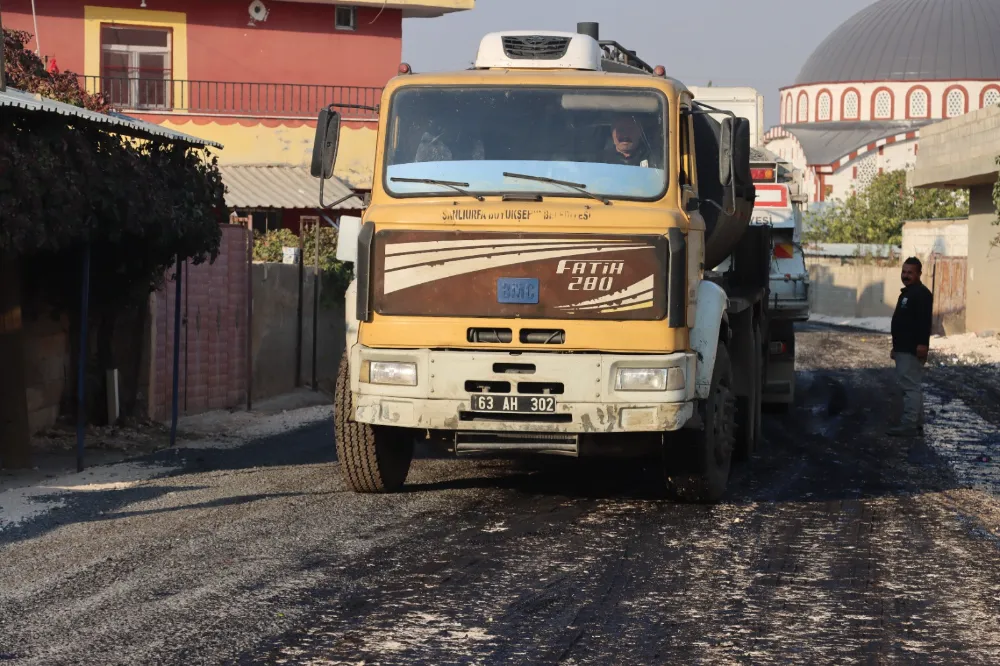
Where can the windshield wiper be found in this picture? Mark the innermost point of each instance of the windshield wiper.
(444, 183)
(579, 187)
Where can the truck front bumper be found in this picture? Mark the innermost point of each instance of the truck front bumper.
(582, 385)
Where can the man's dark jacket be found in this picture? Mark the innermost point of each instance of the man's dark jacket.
(911, 322)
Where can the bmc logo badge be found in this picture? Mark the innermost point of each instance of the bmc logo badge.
(591, 275)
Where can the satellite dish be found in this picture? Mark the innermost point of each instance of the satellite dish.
(258, 11)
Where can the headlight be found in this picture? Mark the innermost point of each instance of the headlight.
(649, 379)
(383, 372)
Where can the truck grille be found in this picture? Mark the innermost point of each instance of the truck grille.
(501, 442)
(535, 47)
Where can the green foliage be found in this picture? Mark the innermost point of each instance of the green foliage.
(876, 215)
(138, 204)
(65, 184)
(268, 246)
(336, 275)
(26, 71)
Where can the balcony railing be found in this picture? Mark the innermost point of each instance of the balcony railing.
(228, 98)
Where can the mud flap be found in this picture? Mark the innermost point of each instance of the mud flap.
(712, 305)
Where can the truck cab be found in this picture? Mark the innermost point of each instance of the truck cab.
(529, 272)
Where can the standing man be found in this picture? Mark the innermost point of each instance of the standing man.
(911, 333)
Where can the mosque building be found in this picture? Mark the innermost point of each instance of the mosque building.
(860, 100)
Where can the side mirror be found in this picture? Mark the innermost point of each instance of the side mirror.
(741, 152)
(734, 152)
(325, 146)
(726, 147)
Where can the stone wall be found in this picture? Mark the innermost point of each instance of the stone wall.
(847, 287)
(213, 335)
(47, 362)
(922, 238)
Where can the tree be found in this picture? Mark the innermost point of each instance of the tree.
(876, 214)
(67, 185)
(26, 71)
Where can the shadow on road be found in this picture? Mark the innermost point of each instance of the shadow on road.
(830, 447)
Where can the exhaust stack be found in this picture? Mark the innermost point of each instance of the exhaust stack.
(590, 29)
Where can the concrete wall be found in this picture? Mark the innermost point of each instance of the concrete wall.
(982, 287)
(922, 238)
(275, 331)
(960, 151)
(848, 288)
(47, 363)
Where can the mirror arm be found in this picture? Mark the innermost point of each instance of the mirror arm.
(325, 206)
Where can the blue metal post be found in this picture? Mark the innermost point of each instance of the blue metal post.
(177, 352)
(81, 371)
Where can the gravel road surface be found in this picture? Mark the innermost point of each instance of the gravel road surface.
(835, 544)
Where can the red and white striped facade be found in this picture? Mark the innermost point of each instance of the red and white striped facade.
(885, 100)
(816, 104)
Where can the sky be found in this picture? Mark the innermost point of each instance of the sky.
(758, 43)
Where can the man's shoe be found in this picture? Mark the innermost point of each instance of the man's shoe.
(903, 431)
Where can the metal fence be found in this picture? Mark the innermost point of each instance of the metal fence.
(231, 98)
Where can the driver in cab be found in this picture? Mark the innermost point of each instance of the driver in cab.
(630, 145)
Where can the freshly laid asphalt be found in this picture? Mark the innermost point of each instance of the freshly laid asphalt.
(835, 544)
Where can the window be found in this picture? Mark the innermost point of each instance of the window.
(611, 141)
(991, 97)
(918, 104)
(788, 109)
(346, 18)
(803, 108)
(955, 104)
(851, 105)
(824, 106)
(135, 67)
(882, 105)
(867, 169)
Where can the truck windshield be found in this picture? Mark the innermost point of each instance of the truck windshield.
(610, 141)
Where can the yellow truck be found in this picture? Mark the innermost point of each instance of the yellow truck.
(534, 270)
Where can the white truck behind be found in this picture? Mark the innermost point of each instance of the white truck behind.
(778, 205)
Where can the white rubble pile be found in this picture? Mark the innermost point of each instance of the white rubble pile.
(967, 349)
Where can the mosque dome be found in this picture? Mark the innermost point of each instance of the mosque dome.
(910, 40)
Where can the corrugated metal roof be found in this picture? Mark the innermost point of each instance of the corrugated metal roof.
(825, 143)
(910, 40)
(765, 155)
(115, 122)
(280, 186)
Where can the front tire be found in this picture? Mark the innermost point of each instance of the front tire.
(373, 459)
(698, 468)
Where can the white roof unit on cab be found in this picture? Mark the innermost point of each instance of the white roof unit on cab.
(526, 49)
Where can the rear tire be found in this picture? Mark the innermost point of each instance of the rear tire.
(758, 437)
(748, 413)
(373, 459)
(698, 465)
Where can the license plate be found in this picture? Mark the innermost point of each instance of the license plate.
(517, 290)
(514, 404)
